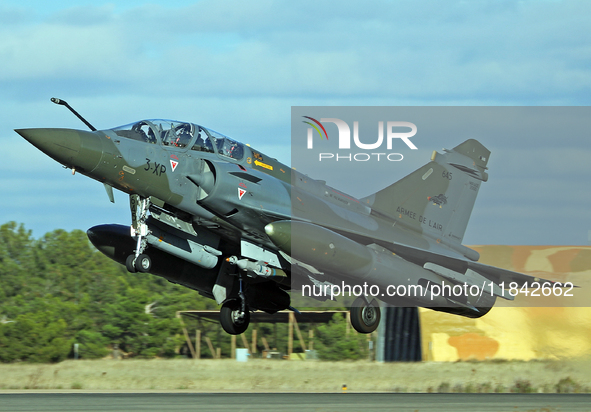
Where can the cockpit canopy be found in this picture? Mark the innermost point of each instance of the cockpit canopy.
(175, 134)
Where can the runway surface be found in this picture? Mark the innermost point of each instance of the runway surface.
(299, 402)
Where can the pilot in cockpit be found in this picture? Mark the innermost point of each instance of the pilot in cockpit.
(181, 135)
(144, 131)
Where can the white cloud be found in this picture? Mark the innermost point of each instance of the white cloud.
(238, 67)
(508, 51)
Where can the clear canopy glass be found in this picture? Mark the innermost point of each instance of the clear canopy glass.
(177, 134)
(226, 146)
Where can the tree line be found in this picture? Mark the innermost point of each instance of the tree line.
(58, 290)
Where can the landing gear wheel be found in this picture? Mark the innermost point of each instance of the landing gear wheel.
(365, 318)
(143, 263)
(129, 264)
(231, 319)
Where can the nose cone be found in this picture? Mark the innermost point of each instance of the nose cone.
(72, 148)
(62, 143)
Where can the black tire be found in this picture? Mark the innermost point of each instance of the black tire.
(365, 318)
(143, 263)
(129, 264)
(229, 318)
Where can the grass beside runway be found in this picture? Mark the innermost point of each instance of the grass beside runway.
(301, 376)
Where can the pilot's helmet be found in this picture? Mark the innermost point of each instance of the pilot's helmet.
(185, 134)
(141, 128)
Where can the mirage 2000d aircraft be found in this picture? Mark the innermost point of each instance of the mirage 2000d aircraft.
(239, 227)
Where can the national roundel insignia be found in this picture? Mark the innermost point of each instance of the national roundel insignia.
(174, 162)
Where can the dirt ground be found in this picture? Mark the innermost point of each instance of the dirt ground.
(300, 376)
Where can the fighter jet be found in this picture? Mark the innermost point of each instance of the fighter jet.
(236, 225)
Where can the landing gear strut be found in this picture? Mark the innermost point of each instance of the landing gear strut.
(365, 316)
(139, 262)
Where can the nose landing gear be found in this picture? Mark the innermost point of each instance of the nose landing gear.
(139, 262)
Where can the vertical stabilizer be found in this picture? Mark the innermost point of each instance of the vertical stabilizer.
(438, 198)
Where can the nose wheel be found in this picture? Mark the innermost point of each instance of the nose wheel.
(130, 264)
(143, 263)
(365, 317)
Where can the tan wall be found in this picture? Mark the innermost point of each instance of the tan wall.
(519, 332)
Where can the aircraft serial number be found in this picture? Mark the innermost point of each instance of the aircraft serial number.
(156, 168)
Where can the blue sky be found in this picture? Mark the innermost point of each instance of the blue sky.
(238, 67)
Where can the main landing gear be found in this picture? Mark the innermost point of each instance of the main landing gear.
(139, 262)
(234, 314)
(233, 319)
(365, 316)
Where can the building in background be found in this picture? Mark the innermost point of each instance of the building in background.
(510, 330)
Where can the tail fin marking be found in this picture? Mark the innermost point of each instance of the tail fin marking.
(438, 198)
